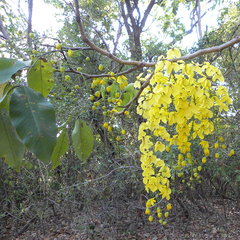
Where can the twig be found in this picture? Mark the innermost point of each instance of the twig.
(146, 64)
(103, 75)
(137, 95)
(25, 227)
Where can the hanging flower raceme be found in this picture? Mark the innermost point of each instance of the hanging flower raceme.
(179, 106)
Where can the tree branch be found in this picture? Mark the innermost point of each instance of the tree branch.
(146, 13)
(118, 36)
(104, 75)
(147, 64)
(137, 95)
(2, 29)
(125, 19)
(29, 30)
(198, 12)
(130, 10)
(101, 36)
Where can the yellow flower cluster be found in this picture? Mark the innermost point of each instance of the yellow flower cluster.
(178, 104)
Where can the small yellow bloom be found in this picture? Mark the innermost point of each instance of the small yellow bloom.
(147, 211)
(232, 152)
(206, 152)
(70, 53)
(169, 206)
(150, 218)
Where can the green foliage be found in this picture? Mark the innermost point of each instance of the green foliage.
(34, 119)
(11, 148)
(8, 67)
(60, 148)
(40, 77)
(2, 86)
(82, 137)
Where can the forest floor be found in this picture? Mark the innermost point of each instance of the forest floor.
(211, 225)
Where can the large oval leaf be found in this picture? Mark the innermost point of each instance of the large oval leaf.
(11, 148)
(34, 120)
(40, 77)
(60, 148)
(8, 67)
(82, 137)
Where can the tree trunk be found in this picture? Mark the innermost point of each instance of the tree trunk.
(29, 30)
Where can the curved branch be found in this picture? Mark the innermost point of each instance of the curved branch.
(208, 50)
(104, 75)
(147, 64)
(100, 35)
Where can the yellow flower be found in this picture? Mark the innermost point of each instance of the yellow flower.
(105, 125)
(147, 211)
(169, 206)
(151, 202)
(70, 53)
(159, 147)
(206, 152)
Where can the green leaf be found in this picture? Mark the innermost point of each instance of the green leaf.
(60, 148)
(29, 165)
(8, 67)
(103, 90)
(34, 120)
(11, 148)
(114, 90)
(126, 97)
(82, 137)
(5, 99)
(129, 87)
(2, 86)
(40, 77)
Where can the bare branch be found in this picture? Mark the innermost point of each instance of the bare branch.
(147, 64)
(104, 75)
(146, 13)
(208, 50)
(2, 29)
(125, 19)
(118, 36)
(130, 10)
(101, 36)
